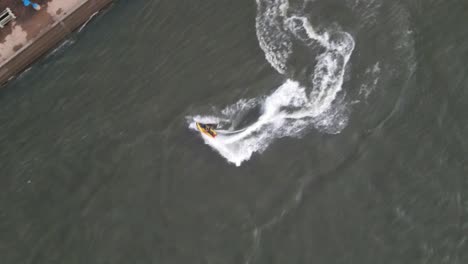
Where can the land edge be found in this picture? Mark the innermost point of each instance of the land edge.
(49, 39)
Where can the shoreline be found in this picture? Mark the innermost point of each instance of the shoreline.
(49, 39)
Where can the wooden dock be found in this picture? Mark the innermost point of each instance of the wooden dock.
(33, 33)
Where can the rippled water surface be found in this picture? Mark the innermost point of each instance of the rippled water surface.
(342, 136)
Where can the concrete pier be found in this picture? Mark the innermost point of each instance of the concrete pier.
(32, 33)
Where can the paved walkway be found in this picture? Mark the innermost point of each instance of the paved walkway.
(30, 24)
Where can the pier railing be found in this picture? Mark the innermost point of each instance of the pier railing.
(5, 17)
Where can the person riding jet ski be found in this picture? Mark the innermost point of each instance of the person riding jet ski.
(207, 129)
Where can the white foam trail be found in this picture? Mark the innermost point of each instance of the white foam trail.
(273, 39)
(292, 108)
(87, 21)
(62, 46)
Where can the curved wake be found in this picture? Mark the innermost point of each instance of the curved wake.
(292, 108)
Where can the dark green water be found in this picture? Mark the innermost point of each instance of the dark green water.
(98, 163)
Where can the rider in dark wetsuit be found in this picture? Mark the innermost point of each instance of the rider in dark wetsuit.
(210, 128)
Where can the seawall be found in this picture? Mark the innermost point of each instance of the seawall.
(35, 33)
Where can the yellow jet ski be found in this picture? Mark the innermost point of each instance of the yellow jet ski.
(207, 129)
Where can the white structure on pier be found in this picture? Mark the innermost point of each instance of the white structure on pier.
(6, 16)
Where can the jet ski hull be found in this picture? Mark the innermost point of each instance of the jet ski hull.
(211, 133)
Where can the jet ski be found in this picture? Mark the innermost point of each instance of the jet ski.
(207, 129)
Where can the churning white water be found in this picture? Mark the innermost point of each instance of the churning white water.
(292, 108)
